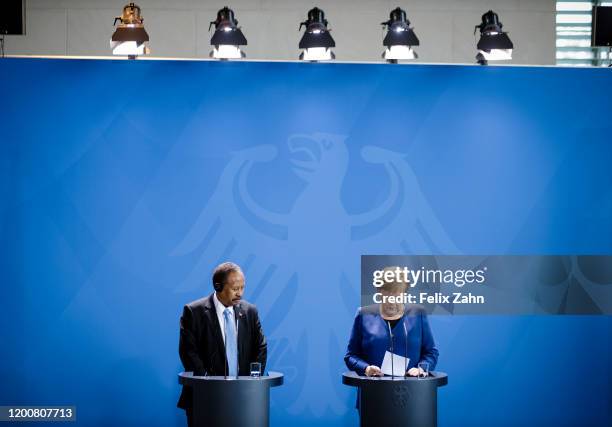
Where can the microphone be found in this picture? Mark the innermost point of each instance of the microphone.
(391, 338)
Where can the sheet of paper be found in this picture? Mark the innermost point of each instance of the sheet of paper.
(399, 364)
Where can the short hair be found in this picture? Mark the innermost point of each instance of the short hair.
(222, 271)
(394, 286)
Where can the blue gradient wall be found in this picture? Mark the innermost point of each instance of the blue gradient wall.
(122, 183)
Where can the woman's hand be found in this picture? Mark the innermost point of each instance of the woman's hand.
(415, 372)
(373, 371)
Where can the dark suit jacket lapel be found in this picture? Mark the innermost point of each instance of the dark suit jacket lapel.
(216, 327)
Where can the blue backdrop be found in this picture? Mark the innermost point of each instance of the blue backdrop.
(122, 183)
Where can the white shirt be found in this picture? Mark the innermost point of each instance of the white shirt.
(220, 308)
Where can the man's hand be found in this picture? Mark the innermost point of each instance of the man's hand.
(373, 371)
(415, 372)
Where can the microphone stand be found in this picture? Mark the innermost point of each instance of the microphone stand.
(392, 351)
(237, 351)
(405, 347)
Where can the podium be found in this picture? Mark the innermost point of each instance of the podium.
(231, 401)
(398, 401)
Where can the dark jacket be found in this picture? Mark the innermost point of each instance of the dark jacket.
(201, 343)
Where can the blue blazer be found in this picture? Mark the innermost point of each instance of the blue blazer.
(370, 339)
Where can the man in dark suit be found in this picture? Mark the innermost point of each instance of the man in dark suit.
(221, 333)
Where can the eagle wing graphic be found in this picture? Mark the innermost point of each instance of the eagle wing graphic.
(233, 226)
(405, 223)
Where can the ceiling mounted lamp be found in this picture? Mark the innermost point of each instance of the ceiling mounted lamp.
(316, 41)
(130, 37)
(494, 44)
(400, 37)
(228, 37)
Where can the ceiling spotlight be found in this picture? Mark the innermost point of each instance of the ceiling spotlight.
(228, 37)
(400, 37)
(130, 37)
(316, 41)
(494, 44)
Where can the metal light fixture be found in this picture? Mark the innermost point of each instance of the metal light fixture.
(228, 37)
(130, 37)
(494, 44)
(316, 41)
(400, 37)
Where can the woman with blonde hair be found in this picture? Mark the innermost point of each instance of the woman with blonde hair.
(380, 327)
